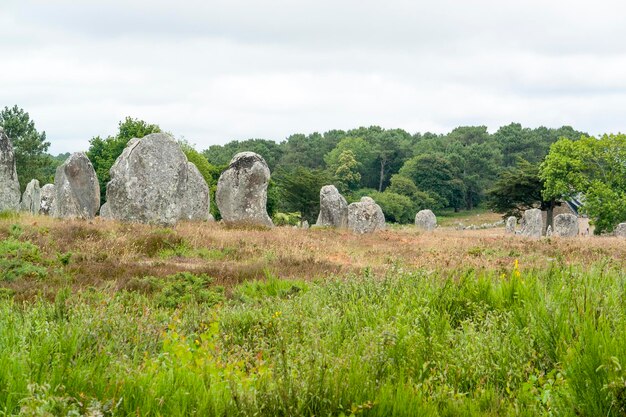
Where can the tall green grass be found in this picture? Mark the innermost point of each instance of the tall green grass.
(411, 343)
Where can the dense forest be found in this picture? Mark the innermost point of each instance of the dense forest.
(509, 170)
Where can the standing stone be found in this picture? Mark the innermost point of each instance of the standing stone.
(532, 223)
(47, 197)
(152, 182)
(105, 211)
(333, 208)
(242, 190)
(365, 216)
(9, 185)
(511, 222)
(426, 220)
(31, 199)
(620, 230)
(77, 193)
(549, 231)
(195, 201)
(566, 225)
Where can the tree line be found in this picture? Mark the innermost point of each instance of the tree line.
(508, 171)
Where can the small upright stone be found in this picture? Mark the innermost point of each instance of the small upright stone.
(31, 199)
(47, 197)
(241, 194)
(426, 220)
(105, 211)
(9, 185)
(620, 230)
(549, 231)
(565, 225)
(77, 193)
(511, 222)
(333, 208)
(365, 216)
(532, 223)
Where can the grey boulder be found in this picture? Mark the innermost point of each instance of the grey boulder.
(365, 216)
(9, 185)
(241, 194)
(333, 208)
(47, 197)
(31, 199)
(532, 223)
(565, 225)
(76, 189)
(620, 230)
(510, 224)
(425, 220)
(152, 182)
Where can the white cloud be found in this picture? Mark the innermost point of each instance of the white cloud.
(221, 70)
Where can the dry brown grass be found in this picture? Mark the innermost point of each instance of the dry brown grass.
(106, 253)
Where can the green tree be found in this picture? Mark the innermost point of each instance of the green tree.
(103, 152)
(517, 189)
(30, 146)
(594, 168)
(347, 175)
(437, 176)
(300, 191)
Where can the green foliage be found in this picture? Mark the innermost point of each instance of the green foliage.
(517, 189)
(594, 168)
(103, 152)
(30, 146)
(220, 155)
(515, 342)
(347, 176)
(396, 207)
(20, 260)
(185, 287)
(300, 191)
(287, 219)
(436, 176)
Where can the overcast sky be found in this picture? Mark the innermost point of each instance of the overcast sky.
(215, 71)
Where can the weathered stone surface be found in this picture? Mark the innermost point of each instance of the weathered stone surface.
(76, 189)
(511, 222)
(333, 208)
(196, 201)
(242, 190)
(31, 199)
(9, 185)
(152, 182)
(365, 216)
(532, 223)
(549, 231)
(426, 220)
(47, 197)
(566, 225)
(105, 211)
(620, 230)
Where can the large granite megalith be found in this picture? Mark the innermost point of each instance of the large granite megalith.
(565, 225)
(76, 189)
(9, 185)
(333, 208)
(152, 182)
(47, 197)
(365, 216)
(31, 199)
(532, 223)
(620, 230)
(426, 220)
(242, 190)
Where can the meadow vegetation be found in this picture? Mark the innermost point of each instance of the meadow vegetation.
(100, 318)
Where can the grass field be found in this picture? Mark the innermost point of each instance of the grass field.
(100, 318)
